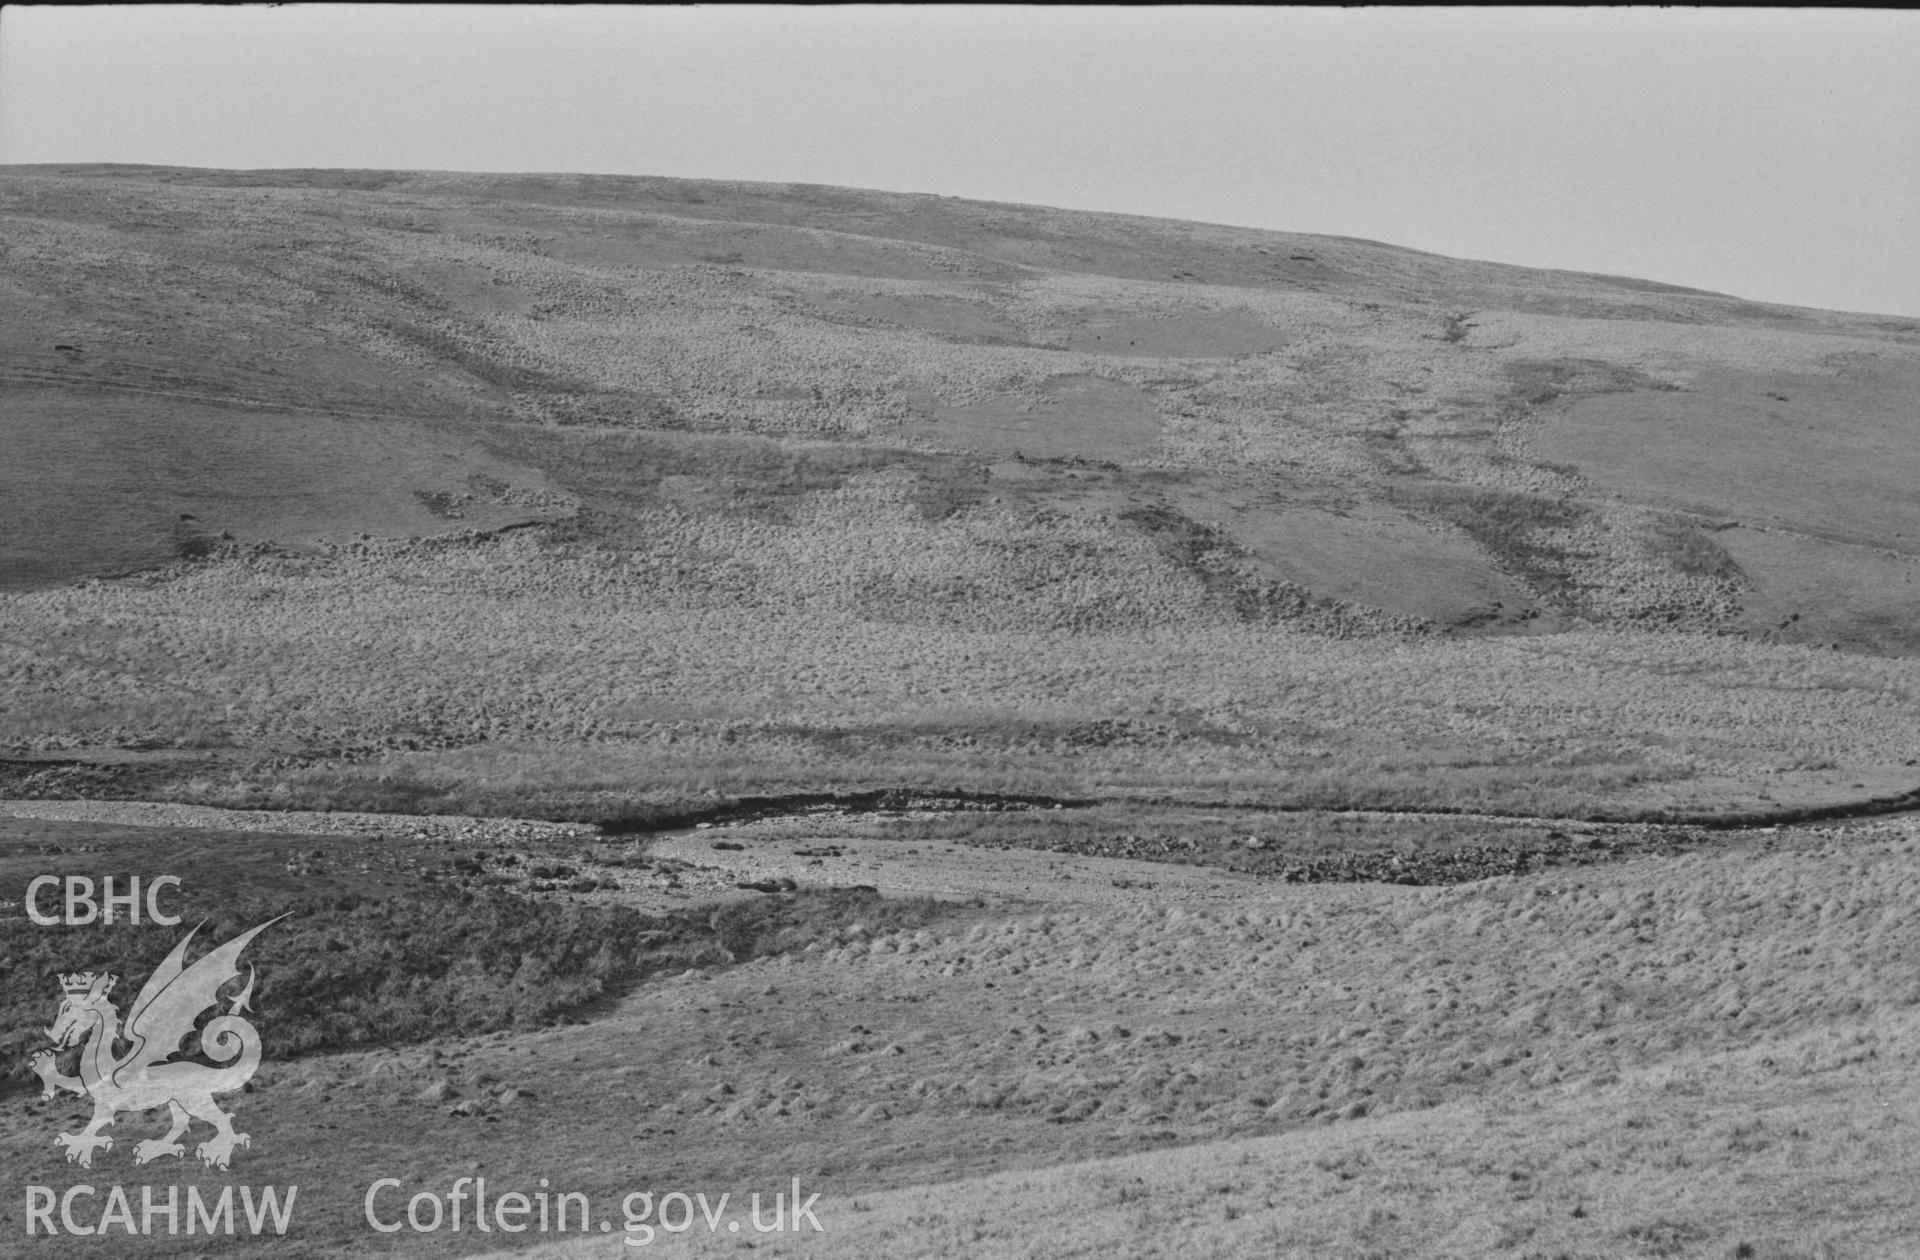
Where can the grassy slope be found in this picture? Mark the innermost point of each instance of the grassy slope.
(849, 488)
(863, 488)
(1701, 1057)
(1698, 1053)
(1755, 1167)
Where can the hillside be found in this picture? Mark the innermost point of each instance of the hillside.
(1707, 1055)
(822, 487)
(1069, 734)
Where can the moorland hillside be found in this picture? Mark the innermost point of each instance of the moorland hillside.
(1021, 662)
(579, 493)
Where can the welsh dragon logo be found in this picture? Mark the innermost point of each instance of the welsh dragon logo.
(162, 1017)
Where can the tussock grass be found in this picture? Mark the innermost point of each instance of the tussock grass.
(531, 674)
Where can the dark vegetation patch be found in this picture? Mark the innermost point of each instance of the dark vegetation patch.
(196, 547)
(883, 801)
(1691, 550)
(618, 473)
(1308, 848)
(320, 783)
(1511, 526)
(70, 778)
(1537, 382)
(1225, 568)
(755, 478)
(1455, 329)
(358, 971)
(370, 959)
(441, 503)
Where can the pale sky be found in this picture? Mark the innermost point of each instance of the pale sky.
(1767, 153)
